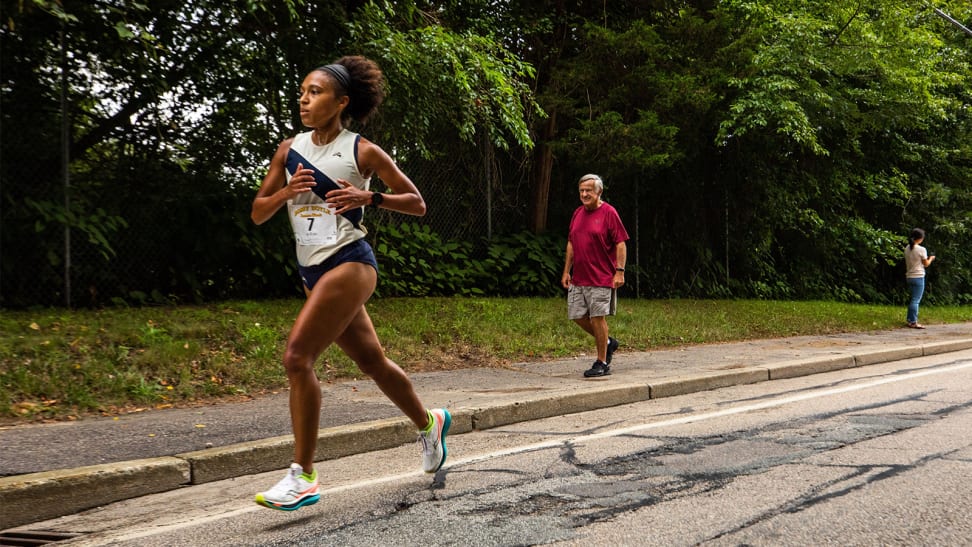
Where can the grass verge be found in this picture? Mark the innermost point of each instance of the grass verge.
(63, 364)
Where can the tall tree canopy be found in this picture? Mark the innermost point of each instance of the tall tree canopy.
(774, 149)
(173, 111)
(843, 118)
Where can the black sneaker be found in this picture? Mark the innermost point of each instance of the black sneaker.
(597, 369)
(612, 347)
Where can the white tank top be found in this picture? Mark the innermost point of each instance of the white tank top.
(319, 233)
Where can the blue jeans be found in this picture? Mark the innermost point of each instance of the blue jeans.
(917, 287)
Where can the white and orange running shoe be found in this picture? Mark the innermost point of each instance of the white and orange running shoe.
(434, 450)
(292, 492)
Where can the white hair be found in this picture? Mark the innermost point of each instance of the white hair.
(598, 183)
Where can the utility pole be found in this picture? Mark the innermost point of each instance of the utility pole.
(65, 165)
(948, 18)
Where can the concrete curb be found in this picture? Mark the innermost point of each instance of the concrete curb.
(558, 405)
(884, 356)
(40, 496)
(805, 367)
(705, 382)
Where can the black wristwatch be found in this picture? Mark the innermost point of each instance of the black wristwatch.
(619, 269)
(377, 198)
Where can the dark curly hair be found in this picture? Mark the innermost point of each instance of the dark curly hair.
(366, 88)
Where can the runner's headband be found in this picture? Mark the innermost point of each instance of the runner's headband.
(340, 74)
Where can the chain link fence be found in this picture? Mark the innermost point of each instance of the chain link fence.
(466, 197)
(44, 264)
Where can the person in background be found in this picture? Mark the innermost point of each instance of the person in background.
(321, 178)
(916, 260)
(594, 269)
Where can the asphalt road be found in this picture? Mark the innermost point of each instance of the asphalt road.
(860, 456)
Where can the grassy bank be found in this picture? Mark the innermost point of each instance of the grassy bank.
(60, 364)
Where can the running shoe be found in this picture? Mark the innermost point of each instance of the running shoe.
(433, 440)
(597, 369)
(292, 492)
(612, 347)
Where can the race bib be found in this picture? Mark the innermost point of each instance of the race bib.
(313, 224)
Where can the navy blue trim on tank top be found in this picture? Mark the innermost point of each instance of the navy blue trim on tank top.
(356, 251)
(324, 183)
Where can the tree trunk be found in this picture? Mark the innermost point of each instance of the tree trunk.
(541, 177)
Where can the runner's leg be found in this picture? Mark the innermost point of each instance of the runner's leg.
(360, 342)
(330, 307)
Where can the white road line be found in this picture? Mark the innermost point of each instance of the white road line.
(560, 442)
(709, 415)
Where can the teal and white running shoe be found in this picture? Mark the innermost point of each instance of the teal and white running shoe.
(292, 492)
(433, 440)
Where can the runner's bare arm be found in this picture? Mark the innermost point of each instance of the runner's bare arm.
(372, 160)
(274, 191)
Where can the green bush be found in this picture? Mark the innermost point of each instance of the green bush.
(524, 264)
(415, 261)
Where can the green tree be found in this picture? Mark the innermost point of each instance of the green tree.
(775, 149)
(833, 125)
(174, 110)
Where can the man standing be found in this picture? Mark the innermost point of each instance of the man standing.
(594, 269)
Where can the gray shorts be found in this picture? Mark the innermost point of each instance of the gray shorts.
(591, 302)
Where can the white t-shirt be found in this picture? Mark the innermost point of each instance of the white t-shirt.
(914, 267)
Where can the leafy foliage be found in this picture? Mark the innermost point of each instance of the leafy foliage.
(414, 261)
(776, 149)
(524, 264)
(175, 109)
(478, 85)
(839, 117)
